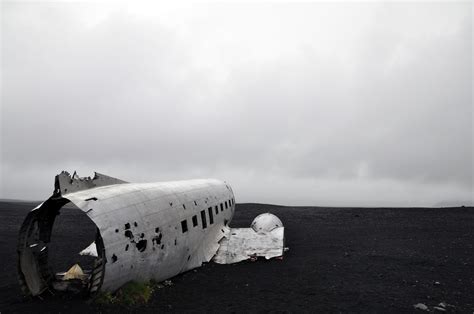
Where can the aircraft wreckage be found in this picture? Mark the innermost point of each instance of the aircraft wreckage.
(144, 231)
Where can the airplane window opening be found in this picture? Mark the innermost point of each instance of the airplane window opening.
(222, 207)
(211, 217)
(225, 204)
(195, 221)
(217, 210)
(203, 219)
(184, 226)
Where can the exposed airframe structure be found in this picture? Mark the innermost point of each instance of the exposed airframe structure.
(144, 231)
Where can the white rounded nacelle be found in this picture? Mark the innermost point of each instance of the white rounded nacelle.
(265, 223)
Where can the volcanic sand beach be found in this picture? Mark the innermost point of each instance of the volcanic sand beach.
(339, 260)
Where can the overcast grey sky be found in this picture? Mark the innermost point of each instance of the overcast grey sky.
(347, 104)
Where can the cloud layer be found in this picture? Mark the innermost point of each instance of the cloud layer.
(322, 104)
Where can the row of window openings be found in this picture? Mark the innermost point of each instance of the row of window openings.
(231, 202)
(194, 219)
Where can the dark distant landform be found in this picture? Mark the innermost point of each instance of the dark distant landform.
(339, 260)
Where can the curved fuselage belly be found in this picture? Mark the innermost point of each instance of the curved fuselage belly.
(157, 230)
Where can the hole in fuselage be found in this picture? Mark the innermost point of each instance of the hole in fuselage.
(141, 245)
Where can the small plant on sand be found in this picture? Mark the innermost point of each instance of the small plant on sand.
(105, 298)
(135, 293)
(132, 293)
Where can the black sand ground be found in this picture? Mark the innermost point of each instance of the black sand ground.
(340, 260)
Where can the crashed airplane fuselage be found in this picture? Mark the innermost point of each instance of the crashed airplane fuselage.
(144, 231)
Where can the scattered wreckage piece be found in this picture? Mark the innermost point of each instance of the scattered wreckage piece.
(91, 250)
(144, 231)
(265, 238)
(73, 280)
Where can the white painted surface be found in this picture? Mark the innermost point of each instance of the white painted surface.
(153, 212)
(91, 250)
(244, 243)
(153, 230)
(266, 222)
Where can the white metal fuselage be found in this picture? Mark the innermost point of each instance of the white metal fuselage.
(157, 230)
(144, 231)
